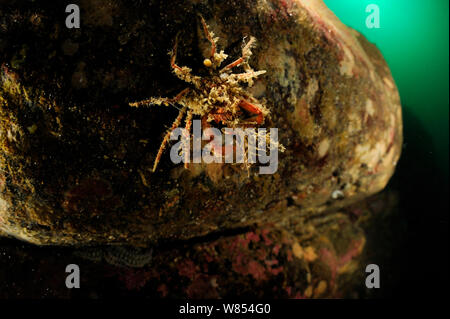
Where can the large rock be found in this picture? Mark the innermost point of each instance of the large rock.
(75, 158)
(322, 257)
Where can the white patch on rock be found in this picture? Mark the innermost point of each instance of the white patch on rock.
(323, 147)
(388, 83)
(312, 88)
(369, 107)
(337, 194)
(347, 64)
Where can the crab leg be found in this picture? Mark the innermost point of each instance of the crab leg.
(188, 130)
(175, 124)
(233, 64)
(209, 36)
(246, 53)
(183, 73)
(180, 95)
(174, 56)
(251, 108)
(247, 76)
(161, 100)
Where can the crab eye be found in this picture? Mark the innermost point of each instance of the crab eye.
(207, 63)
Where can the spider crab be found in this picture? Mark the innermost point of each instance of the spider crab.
(219, 97)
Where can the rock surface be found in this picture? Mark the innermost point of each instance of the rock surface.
(75, 159)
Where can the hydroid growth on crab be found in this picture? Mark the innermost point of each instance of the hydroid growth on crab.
(220, 97)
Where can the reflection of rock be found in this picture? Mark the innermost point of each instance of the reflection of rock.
(75, 158)
(122, 256)
(324, 256)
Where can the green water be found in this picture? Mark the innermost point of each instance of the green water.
(413, 37)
